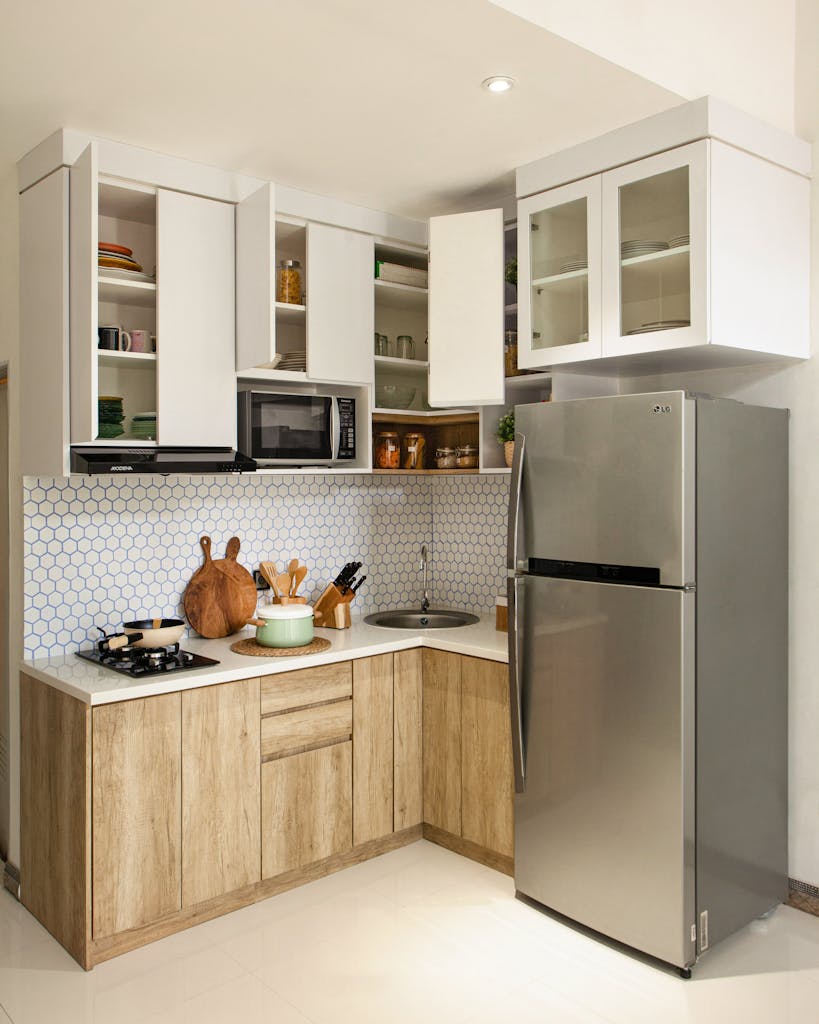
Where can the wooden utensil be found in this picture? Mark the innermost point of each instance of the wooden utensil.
(221, 596)
(283, 585)
(291, 572)
(301, 572)
(268, 570)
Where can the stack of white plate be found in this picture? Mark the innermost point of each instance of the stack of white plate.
(581, 263)
(678, 240)
(639, 247)
(296, 361)
(659, 325)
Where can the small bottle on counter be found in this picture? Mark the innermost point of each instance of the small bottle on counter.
(387, 450)
(415, 451)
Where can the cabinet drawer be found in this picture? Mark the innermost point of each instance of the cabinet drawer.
(306, 686)
(308, 727)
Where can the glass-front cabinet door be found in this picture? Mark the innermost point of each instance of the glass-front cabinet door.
(655, 252)
(559, 275)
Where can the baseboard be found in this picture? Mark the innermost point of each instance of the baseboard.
(803, 896)
(466, 848)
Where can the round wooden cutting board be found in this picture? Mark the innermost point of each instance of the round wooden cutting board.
(221, 596)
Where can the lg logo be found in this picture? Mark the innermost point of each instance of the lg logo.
(661, 408)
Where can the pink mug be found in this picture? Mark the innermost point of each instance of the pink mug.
(140, 341)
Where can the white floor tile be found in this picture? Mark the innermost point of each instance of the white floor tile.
(416, 935)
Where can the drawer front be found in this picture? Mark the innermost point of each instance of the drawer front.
(306, 686)
(308, 727)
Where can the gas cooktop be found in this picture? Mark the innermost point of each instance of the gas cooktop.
(146, 661)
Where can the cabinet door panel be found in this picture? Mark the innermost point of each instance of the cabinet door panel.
(408, 785)
(256, 279)
(466, 309)
(306, 808)
(137, 812)
(372, 748)
(196, 383)
(287, 690)
(306, 727)
(83, 236)
(340, 316)
(442, 740)
(220, 790)
(486, 758)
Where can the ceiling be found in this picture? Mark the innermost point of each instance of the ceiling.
(376, 103)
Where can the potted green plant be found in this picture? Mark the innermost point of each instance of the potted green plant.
(506, 435)
(511, 272)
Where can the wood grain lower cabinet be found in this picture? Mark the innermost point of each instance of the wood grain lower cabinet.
(372, 748)
(442, 740)
(220, 790)
(306, 808)
(137, 812)
(408, 784)
(487, 777)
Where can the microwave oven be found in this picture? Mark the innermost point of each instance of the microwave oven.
(290, 428)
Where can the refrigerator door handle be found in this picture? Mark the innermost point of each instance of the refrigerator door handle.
(515, 600)
(514, 503)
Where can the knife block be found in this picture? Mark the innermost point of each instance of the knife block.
(332, 610)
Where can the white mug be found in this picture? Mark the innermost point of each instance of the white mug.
(124, 341)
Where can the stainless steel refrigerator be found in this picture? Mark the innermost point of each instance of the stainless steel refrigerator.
(648, 596)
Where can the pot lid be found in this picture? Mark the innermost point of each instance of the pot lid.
(285, 611)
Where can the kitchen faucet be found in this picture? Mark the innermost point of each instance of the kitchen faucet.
(425, 600)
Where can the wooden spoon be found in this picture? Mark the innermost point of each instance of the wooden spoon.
(301, 572)
(283, 585)
(291, 572)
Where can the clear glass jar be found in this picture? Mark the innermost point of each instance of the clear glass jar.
(445, 458)
(288, 288)
(387, 450)
(415, 451)
(405, 347)
(466, 456)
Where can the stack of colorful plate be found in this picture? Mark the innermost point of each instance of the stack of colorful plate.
(639, 247)
(110, 416)
(118, 261)
(143, 426)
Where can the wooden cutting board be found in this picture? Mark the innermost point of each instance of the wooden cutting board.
(221, 596)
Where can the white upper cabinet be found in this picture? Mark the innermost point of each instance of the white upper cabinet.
(256, 279)
(196, 388)
(466, 309)
(691, 257)
(339, 305)
(559, 275)
(83, 236)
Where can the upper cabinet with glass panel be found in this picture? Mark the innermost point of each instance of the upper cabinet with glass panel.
(692, 257)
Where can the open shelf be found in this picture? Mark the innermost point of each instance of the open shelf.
(400, 296)
(127, 293)
(113, 358)
(265, 373)
(433, 416)
(290, 312)
(405, 367)
(425, 472)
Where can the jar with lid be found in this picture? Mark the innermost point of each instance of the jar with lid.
(405, 347)
(445, 458)
(510, 354)
(415, 451)
(288, 288)
(387, 450)
(466, 456)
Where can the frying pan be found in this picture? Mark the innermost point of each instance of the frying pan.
(156, 632)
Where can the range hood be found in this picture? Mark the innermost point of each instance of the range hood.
(164, 460)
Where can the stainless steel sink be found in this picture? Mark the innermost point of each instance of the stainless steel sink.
(410, 619)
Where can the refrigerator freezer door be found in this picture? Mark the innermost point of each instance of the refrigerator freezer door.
(610, 481)
(604, 832)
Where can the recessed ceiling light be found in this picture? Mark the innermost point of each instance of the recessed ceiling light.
(498, 83)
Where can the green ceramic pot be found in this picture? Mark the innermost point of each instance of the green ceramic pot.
(285, 625)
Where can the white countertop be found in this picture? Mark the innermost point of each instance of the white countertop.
(95, 684)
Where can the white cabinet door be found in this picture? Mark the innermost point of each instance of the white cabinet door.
(466, 309)
(196, 384)
(83, 239)
(559, 270)
(655, 253)
(256, 279)
(340, 317)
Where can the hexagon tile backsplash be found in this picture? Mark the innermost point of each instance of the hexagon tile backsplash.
(104, 549)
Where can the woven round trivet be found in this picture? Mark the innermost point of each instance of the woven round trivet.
(250, 646)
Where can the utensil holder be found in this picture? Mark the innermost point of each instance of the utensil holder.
(332, 610)
(287, 600)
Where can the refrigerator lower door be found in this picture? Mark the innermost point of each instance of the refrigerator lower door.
(604, 830)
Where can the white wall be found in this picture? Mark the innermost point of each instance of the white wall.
(739, 51)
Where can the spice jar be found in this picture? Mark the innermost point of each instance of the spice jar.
(466, 456)
(445, 458)
(387, 450)
(415, 451)
(289, 284)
